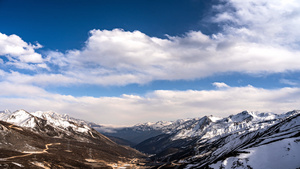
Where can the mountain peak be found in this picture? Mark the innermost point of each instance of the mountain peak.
(243, 116)
(213, 118)
(50, 123)
(6, 111)
(290, 113)
(253, 116)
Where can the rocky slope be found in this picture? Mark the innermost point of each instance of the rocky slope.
(236, 141)
(44, 139)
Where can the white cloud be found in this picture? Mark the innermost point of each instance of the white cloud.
(19, 53)
(17, 90)
(14, 46)
(258, 37)
(156, 105)
(118, 57)
(39, 79)
(265, 21)
(220, 85)
(289, 82)
(56, 58)
(2, 73)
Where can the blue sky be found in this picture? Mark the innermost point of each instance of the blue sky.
(124, 62)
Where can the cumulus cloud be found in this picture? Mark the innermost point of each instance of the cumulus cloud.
(258, 37)
(19, 53)
(265, 21)
(154, 106)
(120, 57)
(14, 46)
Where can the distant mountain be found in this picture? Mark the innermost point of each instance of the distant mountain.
(121, 141)
(51, 140)
(135, 134)
(141, 132)
(244, 140)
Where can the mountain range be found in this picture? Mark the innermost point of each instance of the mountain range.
(244, 140)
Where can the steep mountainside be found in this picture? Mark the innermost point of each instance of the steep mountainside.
(245, 144)
(43, 139)
(236, 141)
(51, 124)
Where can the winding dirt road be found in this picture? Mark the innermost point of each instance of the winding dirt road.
(15, 127)
(28, 153)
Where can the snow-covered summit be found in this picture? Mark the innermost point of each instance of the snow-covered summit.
(6, 111)
(236, 141)
(241, 122)
(207, 127)
(151, 125)
(171, 126)
(20, 118)
(50, 123)
(252, 116)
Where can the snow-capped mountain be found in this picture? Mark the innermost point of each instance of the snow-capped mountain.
(52, 117)
(231, 142)
(245, 140)
(210, 127)
(270, 143)
(51, 140)
(143, 131)
(51, 124)
(185, 128)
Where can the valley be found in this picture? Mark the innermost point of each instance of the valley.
(51, 140)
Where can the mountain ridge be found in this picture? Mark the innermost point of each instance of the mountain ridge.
(201, 142)
(34, 140)
(235, 141)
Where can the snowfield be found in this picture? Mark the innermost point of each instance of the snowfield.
(278, 155)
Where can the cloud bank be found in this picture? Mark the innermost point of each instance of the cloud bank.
(154, 106)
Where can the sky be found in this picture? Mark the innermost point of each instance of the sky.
(124, 62)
